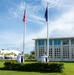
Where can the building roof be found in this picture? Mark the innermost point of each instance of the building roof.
(54, 38)
(10, 51)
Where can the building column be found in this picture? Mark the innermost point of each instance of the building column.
(53, 50)
(61, 51)
(70, 49)
(45, 46)
(37, 51)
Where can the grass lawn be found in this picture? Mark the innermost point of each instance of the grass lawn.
(69, 70)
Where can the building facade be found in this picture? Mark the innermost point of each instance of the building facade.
(60, 49)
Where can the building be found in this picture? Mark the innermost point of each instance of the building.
(8, 54)
(60, 49)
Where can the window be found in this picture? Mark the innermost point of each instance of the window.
(50, 52)
(72, 41)
(72, 54)
(65, 42)
(57, 53)
(41, 42)
(57, 42)
(66, 52)
(41, 51)
(50, 42)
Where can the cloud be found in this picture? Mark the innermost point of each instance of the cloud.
(63, 26)
(59, 4)
(9, 39)
(51, 3)
(16, 11)
(36, 19)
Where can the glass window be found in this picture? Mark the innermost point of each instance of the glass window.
(41, 42)
(57, 42)
(50, 42)
(72, 41)
(65, 42)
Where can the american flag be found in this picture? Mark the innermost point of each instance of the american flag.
(24, 17)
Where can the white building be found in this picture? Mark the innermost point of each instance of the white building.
(11, 53)
(60, 49)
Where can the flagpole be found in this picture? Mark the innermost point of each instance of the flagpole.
(24, 32)
(24, 39)
(47, 33)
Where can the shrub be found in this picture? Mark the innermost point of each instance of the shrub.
(37, 67)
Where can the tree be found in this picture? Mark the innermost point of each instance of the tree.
(26, 56)
(32, 55)
(32, 52)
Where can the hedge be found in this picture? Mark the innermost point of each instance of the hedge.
(35, 67)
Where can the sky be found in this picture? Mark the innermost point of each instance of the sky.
(61, 22)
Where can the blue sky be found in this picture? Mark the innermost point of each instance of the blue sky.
(61, 21)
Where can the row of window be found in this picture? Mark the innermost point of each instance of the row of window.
(57, 56)
(57, 52)
(56, 42)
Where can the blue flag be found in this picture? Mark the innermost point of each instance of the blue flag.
(46, 14)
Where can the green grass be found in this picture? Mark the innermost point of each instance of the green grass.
(69, 70)
(25, 73)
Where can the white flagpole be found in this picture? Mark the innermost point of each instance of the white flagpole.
(24, 35)
(24, 38)
(47, 33)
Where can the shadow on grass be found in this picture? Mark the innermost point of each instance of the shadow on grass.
(30, 60)
(32, 71)
(63, 61)
(29, 71)
(68, 62)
